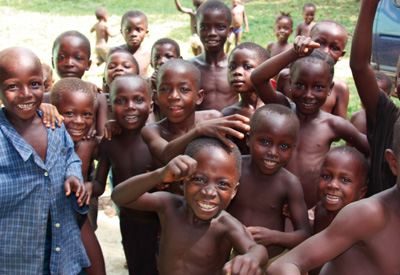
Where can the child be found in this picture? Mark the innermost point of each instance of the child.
(213, 21)
(127, 155)
(197, 234)
(381, 111)
(238, 16)
(195, 42)
(332, 38)
(39, 170)
(283, 29)
(242, 61)
(305, 27)
(75, 101)
(48, 79)
(134, 29)
(343, 180)
(359, 118)
(266, 186)
(71, 58)
(178, 93)
(102, 33)
(311, 82)
(363, 238)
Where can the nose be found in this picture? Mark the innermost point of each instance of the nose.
(131, 104)
(209, 191)
(24, 91)
(212, 32)
(78, 119)
(69, 62)
(237, 71)
(308, 93)
(333, 183)
(272, 151)
(174, 94)
(163, 60)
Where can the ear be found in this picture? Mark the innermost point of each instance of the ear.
(200, 97)
(195, 28)
(341, 56)
(230, 31)
(362, 192)
(155, 97)
(88, 66)
(235, 190)
(391, 159)
(151, 106)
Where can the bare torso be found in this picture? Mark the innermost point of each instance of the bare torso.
(277, 47)
(101, 29)
(336, 103)
(304, 29)
(237, 16)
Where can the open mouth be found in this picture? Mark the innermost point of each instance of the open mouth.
(25, 106)
(207, 205)
(75, 132)
(131, 118)
(270, 163)
(332, 199)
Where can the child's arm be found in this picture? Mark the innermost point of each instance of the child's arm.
(101, 114)
(218, 128)
(183, 9)
(132, 192)
(262, 75)
(342, 101)
(298, 29)
(51, 115)
(73, 184)
(348, 132)
(108, 31)
(299, 217)
(102, 170)
(361, 49)
(245, 20)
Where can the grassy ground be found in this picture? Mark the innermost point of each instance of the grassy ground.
(36, 23)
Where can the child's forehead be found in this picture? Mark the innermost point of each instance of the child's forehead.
(284, 21)
(329, 29)
(244, 53)
(186, 74)
(130, 86)
(71, 42)
(135, 21)
(120, 56)
(160, 48)
(15, 62)
(214, 15)
(309, 9)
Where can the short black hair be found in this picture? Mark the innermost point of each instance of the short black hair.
(199, 143)
(100, 13)
(133, 59)
(262, 54)
(168, 41)
(308, 5)
(126, 78)
(315, 57)
(134, 13)
(267, 111)
(74, 34)
(180, 63)
(331, 22)
(67, 86)
(285, 15)
(214, 5)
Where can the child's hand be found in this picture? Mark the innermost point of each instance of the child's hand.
(243, 265)
(304, 45)
(153, 80)
(73, 184)
(111, 128)
(179, 168)
(247, 29)
(261, 235)
(89, 189)
(50, 115)
(91, 133)
(220, 127)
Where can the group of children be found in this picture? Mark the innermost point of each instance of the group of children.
(205, 183)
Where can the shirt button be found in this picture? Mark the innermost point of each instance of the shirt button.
(57, 249)
(57, 225)
(46, 174)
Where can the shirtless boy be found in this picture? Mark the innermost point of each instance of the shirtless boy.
(305, 27)
(134, 29)
(238, 16)
(381, 111)
(127, 155)
(283, 29)
(311, 81)
(197, 234)
(102, 33)
(266, 186)
(195, 43)
(242, 61)
(362, 239)
(178, 94)
(213, 21)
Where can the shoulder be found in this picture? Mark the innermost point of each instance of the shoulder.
(340, 87)
(228, 221)
(231, 110)
(198, 60)
(208, 114)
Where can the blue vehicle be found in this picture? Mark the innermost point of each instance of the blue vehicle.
(386, 37)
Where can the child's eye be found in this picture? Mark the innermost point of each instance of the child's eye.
(120, 101)
(232, 67)
(69, 113)
(156, 57)
(220, 27)
(335, 48)
(11, 86)
(87, 114)
(128, 30)
(224, 184)
(170, 56)
(164, 89)
(61, 57)
(286, 28)
(264, 142)
(248, 67)
(185, 89)
(127, 66)
(139, 100)
(78, 58)
(346, 180)
(325, 176)
(203, 28)
(139, 29)
(36, 84)
(319, 87)
(284, 146)
(299, 85)
(197, 180)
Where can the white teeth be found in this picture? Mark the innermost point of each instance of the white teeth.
(25, 106)
(270, 163)
(212, 42)
(76, 131)
(207, 205)
(332, 198)
(308, 104)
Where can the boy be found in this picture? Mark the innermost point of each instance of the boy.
(362, 239)
(311, 82)
(195, 42)
(39, 170)
(102, 33)
(238, 16)
(213, 21)
(305, 27)
(266, 186)
(381, 111)
(134, 29)
(127, 156)
(332, 38)
(242, 61)
(71, 58)
(197, 234)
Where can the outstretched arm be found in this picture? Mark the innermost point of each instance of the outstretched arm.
(361, 49)
(183, 9)
(348, 132)
(246, 22)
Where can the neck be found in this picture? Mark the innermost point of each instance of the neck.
(215, 57)
(251, 99)
(182, 127)
(132, 49)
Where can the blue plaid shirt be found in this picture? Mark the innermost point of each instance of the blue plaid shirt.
(30, 191)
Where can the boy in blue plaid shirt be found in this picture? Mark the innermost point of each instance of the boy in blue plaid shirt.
(39, 171)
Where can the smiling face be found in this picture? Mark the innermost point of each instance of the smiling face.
(78, 109)
(341, 181)
(21, 83)
(119, 63)
(332, 39)
(213, 27)
(177, 93)
(241, 63)
(308, 14)
(310, 85)
(130, 102)
(134, 30)
(213, 185)
(271, 144)
(283, 28)
(71, 57)
(162, 53)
